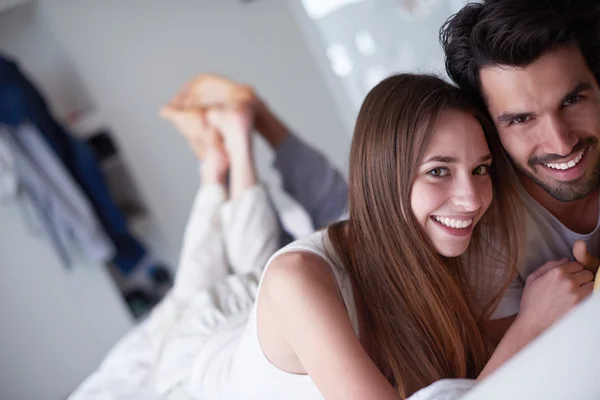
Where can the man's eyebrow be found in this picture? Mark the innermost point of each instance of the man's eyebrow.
(511, 116)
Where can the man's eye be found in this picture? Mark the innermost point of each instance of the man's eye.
(572, 100)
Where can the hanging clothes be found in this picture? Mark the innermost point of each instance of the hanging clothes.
(8, 177)
(20, 102)
(54, 198)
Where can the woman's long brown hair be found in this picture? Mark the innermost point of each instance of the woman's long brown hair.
(423, 316)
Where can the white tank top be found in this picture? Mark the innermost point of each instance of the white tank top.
(249, 374)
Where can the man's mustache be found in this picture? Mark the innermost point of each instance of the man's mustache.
(550, 158)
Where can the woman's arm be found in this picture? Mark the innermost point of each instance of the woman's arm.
(300, 294)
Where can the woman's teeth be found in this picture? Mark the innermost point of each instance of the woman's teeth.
(455, 223)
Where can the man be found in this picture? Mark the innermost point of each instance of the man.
(535, 65)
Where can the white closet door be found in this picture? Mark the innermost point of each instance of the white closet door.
(55, 324)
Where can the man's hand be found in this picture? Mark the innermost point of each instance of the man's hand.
(583, 257)
(552, 291)
(589, 261)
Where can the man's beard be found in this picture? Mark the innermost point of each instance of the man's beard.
(567, 192)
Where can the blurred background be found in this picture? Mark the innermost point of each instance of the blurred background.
(104, 69)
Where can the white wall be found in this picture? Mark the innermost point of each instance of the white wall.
(133, 55)
(55, 324)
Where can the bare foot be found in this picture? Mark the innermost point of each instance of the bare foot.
(194, 128)
(235, 125)
(210, 91)
(201, 94)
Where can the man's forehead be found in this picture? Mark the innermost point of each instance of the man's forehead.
(538, 85)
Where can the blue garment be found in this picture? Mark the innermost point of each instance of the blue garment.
(21, 102)
(54, 198)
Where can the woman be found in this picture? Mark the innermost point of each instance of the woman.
(379, 306)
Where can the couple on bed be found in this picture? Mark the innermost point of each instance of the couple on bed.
(473, 214)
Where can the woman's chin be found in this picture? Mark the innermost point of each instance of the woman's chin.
(452, 249)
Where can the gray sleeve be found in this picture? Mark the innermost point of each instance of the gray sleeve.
(510, 304)
(312, 181)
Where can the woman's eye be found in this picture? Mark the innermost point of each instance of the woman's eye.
(438, 172)
(482, 170)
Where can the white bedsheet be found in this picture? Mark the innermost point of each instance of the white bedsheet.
(564, 363)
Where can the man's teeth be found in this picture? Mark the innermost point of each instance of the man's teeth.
(569, 164)
(455, 223)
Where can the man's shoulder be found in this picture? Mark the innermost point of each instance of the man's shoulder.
(548, 239)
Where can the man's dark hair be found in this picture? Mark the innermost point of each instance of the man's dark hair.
(516, 33)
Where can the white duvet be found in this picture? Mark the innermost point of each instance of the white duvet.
(564, 363)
